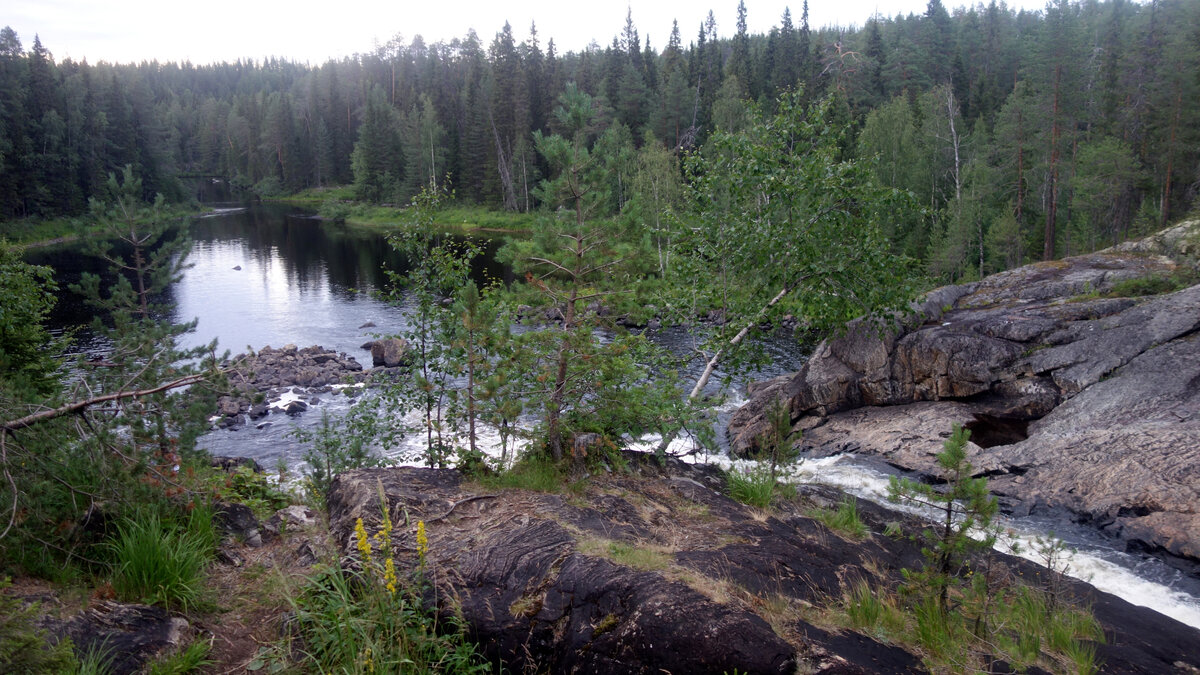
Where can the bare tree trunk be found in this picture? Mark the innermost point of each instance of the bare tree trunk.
(77, 406)
(506, 179)
(711, 365)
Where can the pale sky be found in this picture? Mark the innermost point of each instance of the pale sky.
(126, 31)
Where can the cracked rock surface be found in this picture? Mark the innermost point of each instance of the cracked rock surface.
(1077, 400)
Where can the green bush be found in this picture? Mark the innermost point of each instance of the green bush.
(162, 562)
(23, 647)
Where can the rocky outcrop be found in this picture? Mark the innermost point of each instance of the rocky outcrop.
(656, 570)
(260, 380)
(1076, 400)
(128, 636)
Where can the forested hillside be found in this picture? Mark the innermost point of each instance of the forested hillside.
(1023, 135)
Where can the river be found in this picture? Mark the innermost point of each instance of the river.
(272, 274)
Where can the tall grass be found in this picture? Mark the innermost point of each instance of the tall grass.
(844, 519)
(161, 561)
(371, 621)
(754, 486)
(533, 471)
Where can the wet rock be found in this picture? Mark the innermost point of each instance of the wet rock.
(294, 408)
(230, 464)
(369, 324)
(270, 372)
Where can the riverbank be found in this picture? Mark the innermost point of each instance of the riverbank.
(40, 233)
(338, 203)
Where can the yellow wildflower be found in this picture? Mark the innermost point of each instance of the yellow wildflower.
(422, 541)
(364, 544)
(389, 575)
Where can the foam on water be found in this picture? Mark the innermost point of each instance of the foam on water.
(1108, 570)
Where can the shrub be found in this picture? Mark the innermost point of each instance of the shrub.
(23, 647)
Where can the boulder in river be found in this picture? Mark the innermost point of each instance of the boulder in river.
(389, 352)
(1078, 397)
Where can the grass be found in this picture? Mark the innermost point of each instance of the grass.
(1020, 628)
(753, 487)
(338, 203)
(1156, 284)
(162, 562)
(533, 472)
(844, 519)
(348, 622)
(187, 660)
(644, 556)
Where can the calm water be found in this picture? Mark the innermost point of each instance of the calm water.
(269, 274)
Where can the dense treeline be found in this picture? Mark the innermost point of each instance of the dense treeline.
(1023, 134)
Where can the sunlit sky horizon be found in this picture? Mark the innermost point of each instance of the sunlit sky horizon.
(131, 31)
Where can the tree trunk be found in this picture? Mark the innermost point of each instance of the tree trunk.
(733, 343)
(1052, 210)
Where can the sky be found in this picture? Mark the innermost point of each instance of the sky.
(124, 31)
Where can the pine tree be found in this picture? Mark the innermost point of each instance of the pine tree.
(962, 508)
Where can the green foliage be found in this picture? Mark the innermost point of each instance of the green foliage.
(963, 507)
(118, 455)
(817, 238)
(448, 336)
(162, 562)
(574, 259)
(843, 519)
(27, 364)
(24, 647)
(375, 618)
(188, 660)
(351, 624)
(533, 471)
(754, 486)
(774, 445)
(872, 611)
(1151, 285)
(378, 159)
(338, 446)
(97, 661)
(246, 486)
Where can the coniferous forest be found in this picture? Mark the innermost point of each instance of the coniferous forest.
(1022, 135)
